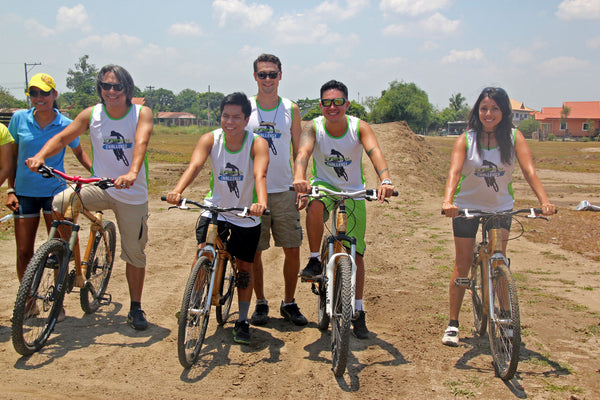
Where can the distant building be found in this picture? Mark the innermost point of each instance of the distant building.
(520, 112)
(583, 119)
(176, 119)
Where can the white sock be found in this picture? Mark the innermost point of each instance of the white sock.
(316, 255)
(358, 305)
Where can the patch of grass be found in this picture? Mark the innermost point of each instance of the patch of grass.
(457, 388)
(539, 272)
(588, 288)
(554, 387)
(577, 307)
(590, 330)
(566, 282)
(550, 255)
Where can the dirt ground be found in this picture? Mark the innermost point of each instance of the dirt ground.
(409, 261)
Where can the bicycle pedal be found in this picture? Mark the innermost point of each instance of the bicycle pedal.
(316, 278)
(105, 299)
(314, 289)
(462, 282)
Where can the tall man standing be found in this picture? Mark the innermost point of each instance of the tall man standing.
(277, 120)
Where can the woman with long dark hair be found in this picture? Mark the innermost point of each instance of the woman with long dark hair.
(480, 177)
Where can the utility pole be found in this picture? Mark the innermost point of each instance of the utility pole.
(27, 79)
(149, 89)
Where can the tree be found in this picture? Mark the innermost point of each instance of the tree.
(564, 116)
(7, 100)
(403, 102)
(160, 99)
(82, 81)
(457, 101)
(306, 105)
(529, 126)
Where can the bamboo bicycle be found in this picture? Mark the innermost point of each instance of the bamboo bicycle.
(336, 286)
(494, 292)
(211, 282)
(47, 278)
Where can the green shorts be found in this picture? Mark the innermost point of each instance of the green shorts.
(284, 222)
(357, 218)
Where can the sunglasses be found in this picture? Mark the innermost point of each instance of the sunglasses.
(336, 102)
(263, 75)
(36, 93)
(107, 86)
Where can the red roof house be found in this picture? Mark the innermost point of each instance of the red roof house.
(582, 119)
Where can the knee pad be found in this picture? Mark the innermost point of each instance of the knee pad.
(243, 279)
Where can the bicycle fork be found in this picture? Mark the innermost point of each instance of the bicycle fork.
(330, 271)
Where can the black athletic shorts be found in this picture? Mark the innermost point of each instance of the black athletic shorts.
(241, 242)
(468, 227)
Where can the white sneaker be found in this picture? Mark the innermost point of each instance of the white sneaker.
(450, 336)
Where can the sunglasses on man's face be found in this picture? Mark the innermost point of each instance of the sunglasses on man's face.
(107, 86)
(336, 102)
(263, 75)
(36, 93)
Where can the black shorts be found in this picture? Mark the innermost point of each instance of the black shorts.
(241, 242)
(468, 227)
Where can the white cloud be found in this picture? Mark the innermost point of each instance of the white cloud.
(560, 65)
(75, 18)
(238, 12)
(412, 7)
(438, 23)
(456, 56)
(430, 45)
(301, 29)
(520, 56)
(394, 30)
(187, 29)
(111, 41)
(385, 63)
(579, 9)
(349, 10)
(37, 29)
(593, 43)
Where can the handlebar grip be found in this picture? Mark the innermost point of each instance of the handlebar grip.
(395, 193)
(163, 198)
(267, 212)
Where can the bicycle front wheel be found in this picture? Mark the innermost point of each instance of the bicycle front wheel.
(38, 302)
(476, 289)
(99, 268)
(322, 317)
(226, 291)
(505, 323)
(194, 313)
(341, 314)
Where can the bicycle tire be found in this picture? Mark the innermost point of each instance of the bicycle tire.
(505, 324)
(322, 317)
(99, 268)
(226, 292)
(476, 289)
(192, 326)
(33, 322)
(341, 314)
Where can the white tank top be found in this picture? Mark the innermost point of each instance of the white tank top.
(112, 148)
(338, 160)
(279, 136)
(485, 183)
(232, 178)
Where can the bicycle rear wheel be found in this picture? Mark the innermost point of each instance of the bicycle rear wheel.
(194, 313)
(322, 317)
(226, 291)
(341, 314)
(505, 324)
(99, 268)
(38, 303)
(476, 289)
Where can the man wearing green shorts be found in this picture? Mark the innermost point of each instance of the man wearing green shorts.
(277, 120)
(336, 142)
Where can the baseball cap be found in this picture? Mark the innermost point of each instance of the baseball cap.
(43, 81)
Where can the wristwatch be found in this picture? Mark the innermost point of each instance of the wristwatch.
(387, 181)
(10, 190)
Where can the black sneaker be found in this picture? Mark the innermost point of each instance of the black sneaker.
(312, 269)
(137, 319)
(360, 326)
(261, 314)
(241, 332)
(292, 313)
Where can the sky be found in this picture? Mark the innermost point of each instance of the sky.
(543, 52)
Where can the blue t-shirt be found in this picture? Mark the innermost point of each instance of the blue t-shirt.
(30, 139)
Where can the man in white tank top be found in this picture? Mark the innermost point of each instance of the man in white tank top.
(120, 133)
(338, 141)
(277, 120)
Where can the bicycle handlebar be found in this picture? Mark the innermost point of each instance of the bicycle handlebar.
(49, 172)
(368, 194)
(245, 211)
(470, 213)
